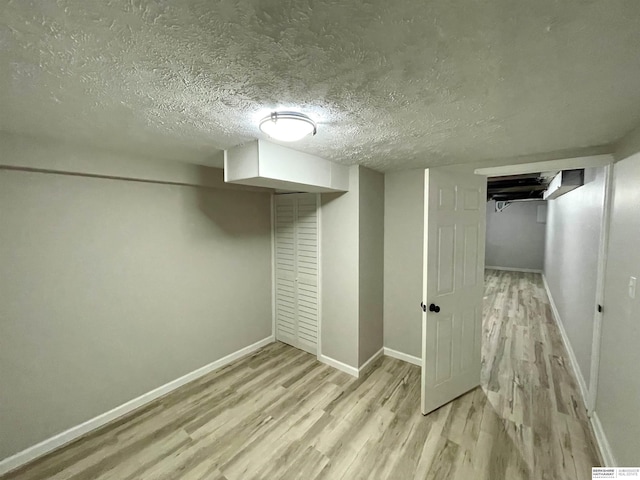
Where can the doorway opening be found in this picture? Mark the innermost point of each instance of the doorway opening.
(561, 242)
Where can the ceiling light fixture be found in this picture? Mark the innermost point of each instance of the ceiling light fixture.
(288, 126)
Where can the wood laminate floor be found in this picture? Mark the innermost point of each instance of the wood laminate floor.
(280, 414)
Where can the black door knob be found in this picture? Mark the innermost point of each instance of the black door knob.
(434, 308)
(423, 306)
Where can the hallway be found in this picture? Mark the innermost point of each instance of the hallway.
(529, 385)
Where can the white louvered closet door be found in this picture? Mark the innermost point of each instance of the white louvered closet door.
(296, 261)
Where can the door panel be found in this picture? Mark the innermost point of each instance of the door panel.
(307, 274)
(446, 259)
(470, 260)
(446, 198)
(471, 199)
(444, 349)
(467, 341)
(297, 270)
(453, 281)
(285, 263)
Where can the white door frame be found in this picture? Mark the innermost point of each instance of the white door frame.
(273, 267)
(319, 215)
(602, 270)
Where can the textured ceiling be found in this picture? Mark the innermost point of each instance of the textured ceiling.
(393, 84)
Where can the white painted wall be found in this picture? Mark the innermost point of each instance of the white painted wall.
(515, 238)
(267, 164)
(371, 263)
(403, 254)
(340, 272)
(618, 399)
(571, 261)
(42, 154)
(352, 252)
(112, 288)
(628, 145)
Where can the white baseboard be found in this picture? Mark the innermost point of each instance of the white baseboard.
(513, 269)
(366, 365)
(405, 357)
(584, 391)
(603, 443)
(339, 365)
(57, 441)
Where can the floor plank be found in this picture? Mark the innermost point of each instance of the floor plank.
(281, 414)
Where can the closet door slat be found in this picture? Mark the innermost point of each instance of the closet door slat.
(296, 270)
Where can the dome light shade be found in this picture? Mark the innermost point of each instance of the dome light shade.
(288, 126)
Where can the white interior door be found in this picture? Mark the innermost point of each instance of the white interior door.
(453, 285)
(296, 272)
(286, 310)
(307, 271)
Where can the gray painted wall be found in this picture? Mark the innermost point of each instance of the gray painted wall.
(112, 288)
(628, 145)
(46, 154)
(371, 263)
(340, 272)
(403, 252)
(618, 380)
(574, 222)
(514, 237)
